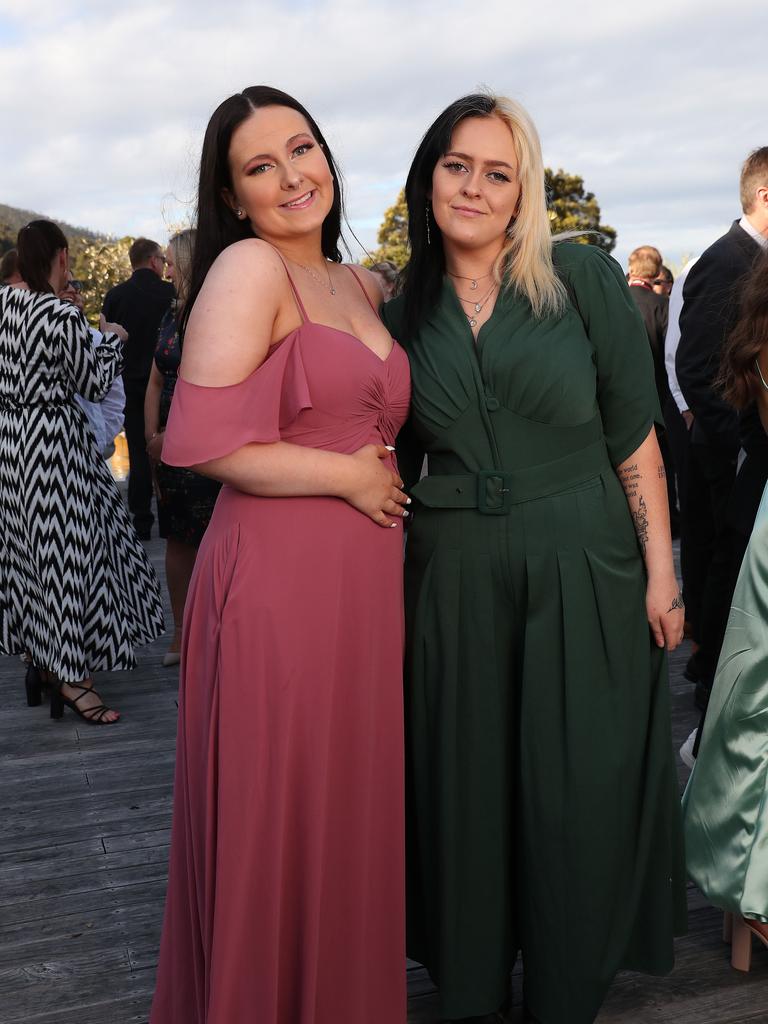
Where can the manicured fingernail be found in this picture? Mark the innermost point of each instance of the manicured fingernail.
(393, 525)
(408, 501)
(406, 512)
(389, 447)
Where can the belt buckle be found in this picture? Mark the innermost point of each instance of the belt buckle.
(494, 495)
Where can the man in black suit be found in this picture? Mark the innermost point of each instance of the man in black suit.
(139, 305)
(645, 265)
(721, 506)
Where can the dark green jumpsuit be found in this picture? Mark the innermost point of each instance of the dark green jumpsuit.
(543, 803)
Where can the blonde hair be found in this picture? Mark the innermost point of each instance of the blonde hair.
(645, 261)
(525, 260)
(183, 244)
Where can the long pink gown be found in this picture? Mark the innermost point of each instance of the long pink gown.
(286, 890)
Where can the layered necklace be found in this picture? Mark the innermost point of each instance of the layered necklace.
(477, 305)
(473, 281)
(312, 273)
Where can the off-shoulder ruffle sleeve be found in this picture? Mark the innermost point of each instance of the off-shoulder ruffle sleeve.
(210, 422)
(626, 385)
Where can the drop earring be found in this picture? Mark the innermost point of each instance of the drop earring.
(426, 211)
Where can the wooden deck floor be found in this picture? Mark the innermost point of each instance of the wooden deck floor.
(85, 818)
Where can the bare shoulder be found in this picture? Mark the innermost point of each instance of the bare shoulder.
(251, 257)
(370, 282)
(232, 321)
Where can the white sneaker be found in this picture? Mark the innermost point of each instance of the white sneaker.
(686, 751)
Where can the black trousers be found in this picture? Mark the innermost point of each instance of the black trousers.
(140, 475)
(711, 472)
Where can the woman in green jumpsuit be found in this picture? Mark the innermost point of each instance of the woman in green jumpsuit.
(544, 813)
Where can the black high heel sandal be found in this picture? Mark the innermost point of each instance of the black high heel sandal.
(94, 715)
(34, 684)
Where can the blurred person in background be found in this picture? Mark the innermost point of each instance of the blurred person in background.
(105, 418)
(77, 591)
(139, 304)
(645, 265)
(388, 274)
(9, 268)
(185, 499)
(664, 281)
(720, 505)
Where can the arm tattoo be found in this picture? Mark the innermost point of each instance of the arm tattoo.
(662, 472)
(640, 518)
(678, 602)
(630, 480)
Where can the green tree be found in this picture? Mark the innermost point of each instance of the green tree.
(393, 235)
(99, 265)
(571, 208)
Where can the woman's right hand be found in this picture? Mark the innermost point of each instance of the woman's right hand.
(375, 489)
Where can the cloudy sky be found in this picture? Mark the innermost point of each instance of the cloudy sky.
(656, 105)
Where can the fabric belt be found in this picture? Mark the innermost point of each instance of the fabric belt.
(493, 492)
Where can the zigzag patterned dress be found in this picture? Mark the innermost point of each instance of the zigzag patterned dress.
(77, 591)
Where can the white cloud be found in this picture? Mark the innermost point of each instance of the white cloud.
(103, 108)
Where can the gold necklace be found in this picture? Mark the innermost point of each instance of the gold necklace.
(319, 279)
(472, 280)
(478, 306)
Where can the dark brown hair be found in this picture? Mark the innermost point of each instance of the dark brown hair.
(739, 376)
(141, 252)
(38, 243)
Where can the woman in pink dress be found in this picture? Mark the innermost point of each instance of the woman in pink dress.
(285, 899)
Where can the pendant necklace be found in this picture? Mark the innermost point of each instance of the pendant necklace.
(312, 273)
(472, 280)
(478, 305)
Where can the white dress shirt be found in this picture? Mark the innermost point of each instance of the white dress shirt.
(746, 225)
(672, 339)
(106, 417)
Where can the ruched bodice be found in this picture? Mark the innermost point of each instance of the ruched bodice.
(297, 395)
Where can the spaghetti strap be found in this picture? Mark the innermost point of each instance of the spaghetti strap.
(294, 289)
(364, 291)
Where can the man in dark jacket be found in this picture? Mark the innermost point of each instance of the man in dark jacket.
(139, 305)
(721, 506)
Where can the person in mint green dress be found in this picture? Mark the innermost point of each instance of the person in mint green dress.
(543, 812)
(726, 827)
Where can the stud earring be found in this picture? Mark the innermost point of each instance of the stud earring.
(426, 211)
(239, 213)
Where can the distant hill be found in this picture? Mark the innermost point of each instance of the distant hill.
(12, 220)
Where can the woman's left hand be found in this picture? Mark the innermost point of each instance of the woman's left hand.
(666, 611)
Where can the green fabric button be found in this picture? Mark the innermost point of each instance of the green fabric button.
(491, 403)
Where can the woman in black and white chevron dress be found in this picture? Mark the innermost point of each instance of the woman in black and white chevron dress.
(77, 591)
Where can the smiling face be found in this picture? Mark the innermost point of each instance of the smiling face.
(475, 186)
(280, 177)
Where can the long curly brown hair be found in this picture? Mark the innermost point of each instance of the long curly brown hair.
(739, 377)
